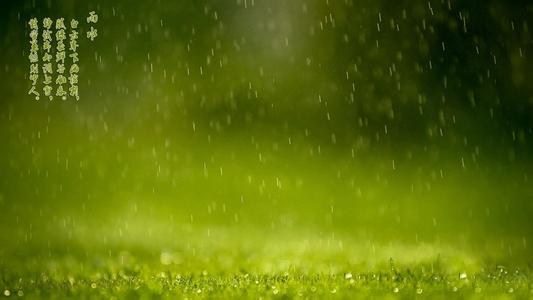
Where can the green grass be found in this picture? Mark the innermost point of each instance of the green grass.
(237, 262)
(145, 283)
(124, 275)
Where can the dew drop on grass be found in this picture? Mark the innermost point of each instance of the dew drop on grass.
(7, 293)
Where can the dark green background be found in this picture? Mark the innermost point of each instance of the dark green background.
(214, 124)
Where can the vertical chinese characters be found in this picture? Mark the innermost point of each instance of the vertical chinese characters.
(66, 66)
(74, 69)
(92, 33)
(47, 58)
(60, 58)
(34, 57)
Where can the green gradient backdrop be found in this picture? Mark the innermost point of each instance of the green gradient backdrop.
(215, 124)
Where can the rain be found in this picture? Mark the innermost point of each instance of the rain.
(265, 149)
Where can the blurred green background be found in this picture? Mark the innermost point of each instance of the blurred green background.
(266, 134)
